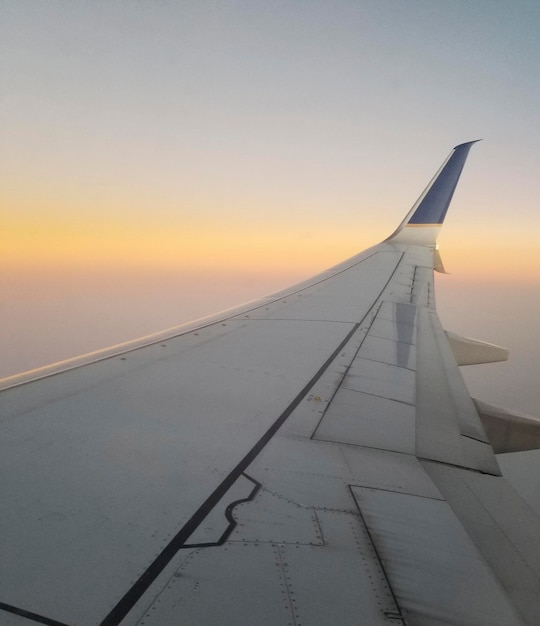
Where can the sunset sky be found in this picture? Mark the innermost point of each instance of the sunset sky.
(162, 160)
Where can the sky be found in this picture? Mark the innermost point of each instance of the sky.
(164, 160)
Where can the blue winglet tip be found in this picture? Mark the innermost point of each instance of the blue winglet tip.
(434, 204)
(467, 143)
(430, 209)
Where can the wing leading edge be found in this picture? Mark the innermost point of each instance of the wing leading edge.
(313, 457)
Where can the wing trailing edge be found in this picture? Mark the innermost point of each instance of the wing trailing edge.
(423, 222)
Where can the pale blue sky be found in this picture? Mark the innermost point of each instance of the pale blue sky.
(271, 97)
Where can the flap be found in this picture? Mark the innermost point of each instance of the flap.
(474, 352)
(509, 431)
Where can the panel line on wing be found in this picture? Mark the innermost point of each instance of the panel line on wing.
(288, 319)
(232, 523)
(405, 493)
(398, 614)
(40, 619)
(378, 395)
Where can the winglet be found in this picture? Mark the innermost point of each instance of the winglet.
(423, 222)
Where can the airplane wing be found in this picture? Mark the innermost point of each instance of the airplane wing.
(310, 458)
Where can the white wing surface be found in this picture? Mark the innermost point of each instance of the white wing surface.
(310, 458)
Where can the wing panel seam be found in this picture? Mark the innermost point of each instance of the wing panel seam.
(40, 619)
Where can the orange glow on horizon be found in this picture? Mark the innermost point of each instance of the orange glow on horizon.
(50, 236)
(59, 241)
(56, 244)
